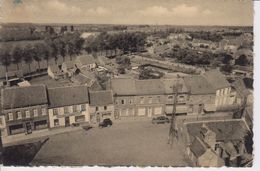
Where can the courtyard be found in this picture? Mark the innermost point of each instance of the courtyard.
(125, 143)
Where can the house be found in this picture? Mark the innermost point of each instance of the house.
(24, 109)
(222, 140)
(221, 86)
(149, 97)
(68, 68)
(181, 106)
(68, 106)
(138, 98)
(124, 96)
(101, 105)
(201, 95)
(87, 61)
(54, 71)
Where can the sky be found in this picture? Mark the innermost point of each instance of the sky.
(170, 12)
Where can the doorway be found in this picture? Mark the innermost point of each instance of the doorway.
(28, 127)
(67, 121)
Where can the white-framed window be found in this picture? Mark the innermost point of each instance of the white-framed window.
(83, 107)
(158, 99)
(56, 122)
(35, 112)
(10, 116)
(79, 108)
(66, 109)
(122, 101)
(150, 100)
(27, 114)
(55, 111)
(141, 100)
(18, 115)
(44, 112)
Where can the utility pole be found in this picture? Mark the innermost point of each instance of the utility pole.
(173, 133)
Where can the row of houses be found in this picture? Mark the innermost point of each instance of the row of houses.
(36, 107)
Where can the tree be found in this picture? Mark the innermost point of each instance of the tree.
(17, 55)
(28, 55)
(227, 68)
(227, 58)
(241, 60)
(5, 58)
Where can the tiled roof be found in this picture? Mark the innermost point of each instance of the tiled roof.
(149, 87)
(216, 79)
(225, 130)
(197, 84)
(23, 96)
(197, 147)
(123, 86)
(101, 98)
(168, 85)
(66, 96)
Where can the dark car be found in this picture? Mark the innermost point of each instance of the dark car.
(160, 119)
(105, 123)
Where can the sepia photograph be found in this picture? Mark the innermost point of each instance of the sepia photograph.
(166, 83)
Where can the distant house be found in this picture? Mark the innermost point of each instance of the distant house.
(54, 71)
(124, 96)
(138, 98)
(68, 68)
(68, 106)
(101, 105)
(149, 97)
(201, 95)
(24, 109)
(86, 61)
(221, 86)
(182, 99)
(216, 143)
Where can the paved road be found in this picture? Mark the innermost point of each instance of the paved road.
(133, 143)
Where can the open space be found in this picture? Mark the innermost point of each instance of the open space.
(134, 143)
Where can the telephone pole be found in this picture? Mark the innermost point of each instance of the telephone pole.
(173, 133)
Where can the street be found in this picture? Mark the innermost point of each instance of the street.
(125, 143)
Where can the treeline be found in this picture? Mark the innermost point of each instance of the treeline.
(52, 47)
(123, 41)
(210, 36)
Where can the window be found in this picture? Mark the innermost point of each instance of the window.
(130, 101)
(27, 114)
(141, 100)
(70, 109)
(123, 101)
(158, 99)
(80, 118)
(74, 108)
(150, 100)
(170, 97)
(56, 122)
(10, 116)
(105, 107)
(1, 121)
(35, 112)
(83, 107)
(79, 108)
(44, 111)
(66, 109)
(55, 111)
(18, 115)
(96, 108)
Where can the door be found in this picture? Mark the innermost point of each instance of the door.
(67, 121)
(150, 111)
(141, 111)
(28, 127)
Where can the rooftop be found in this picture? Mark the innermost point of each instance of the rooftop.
(100, 98)
(66, 96)
(225, 130)
(149, 87)
(216, 79)
(197, 84)
(18, 97)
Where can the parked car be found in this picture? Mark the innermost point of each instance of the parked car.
(105, 123)
(160, 119)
